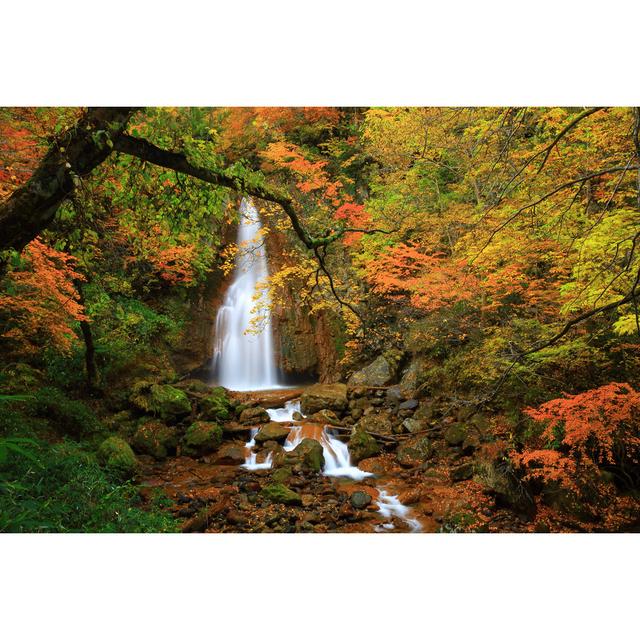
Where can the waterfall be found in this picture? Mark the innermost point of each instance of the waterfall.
(243, 356)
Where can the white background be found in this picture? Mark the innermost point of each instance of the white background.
(319, 53)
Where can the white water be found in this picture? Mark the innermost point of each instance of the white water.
(389, 506)
(251, 458)
(243, 358)
(337, 462)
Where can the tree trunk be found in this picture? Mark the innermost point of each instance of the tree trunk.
(72, 155)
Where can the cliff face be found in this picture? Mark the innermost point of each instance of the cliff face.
(306, 347)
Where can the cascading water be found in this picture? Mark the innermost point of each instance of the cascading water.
(243, 356)
(244, 361)
(337, 461)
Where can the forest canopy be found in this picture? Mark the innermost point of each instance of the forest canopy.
(494, 249)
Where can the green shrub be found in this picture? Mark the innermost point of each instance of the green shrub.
(62, 488)
(69, 417)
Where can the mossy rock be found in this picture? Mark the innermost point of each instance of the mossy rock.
(162, 400)
(154, 438)
(202, 438)
(115, 454)
(361, 446)
(277, 492)
(455, 434)
(215, 405)
(281, 475)
(307, 456)
(414, 451)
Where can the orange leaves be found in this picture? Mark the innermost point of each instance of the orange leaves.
(430, 281)
(600, 414)
(599, 426)
(312, 177)
(355, 216)
(43, 302)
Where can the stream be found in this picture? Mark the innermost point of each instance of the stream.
(244, 360)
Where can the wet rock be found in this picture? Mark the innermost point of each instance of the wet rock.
(297, 416)
(162, 400)
(324, 396)
(277, 492)
(155, 439)
(463, 472)
(410, 496)
(232, 453)
(360, 499)
(272, 431)
(115, 454)
(415, 451)
(202, 438)
(215, 406)
(455, 434)
(361, 446)
(413, 426)
(311, 454)
(380, 372)
(254, 415)
(325, 416)
(307, 456)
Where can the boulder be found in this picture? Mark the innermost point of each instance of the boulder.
(325, 416)
(413, 377)
(115, 454)
(425, 410)
(408, 405)
(272, 431)
(493, 469)
(307, 456)
(230, 453)
(277, 492)
(324, 396)
(455, 434)
(215, 406)
(154, 438)
(202, 438)
(413, 426)
(379, 373)
(414, 452)
(379, 423)
(162, 400)
(361, 446)
(254, 415)
(463, 472)
(360, 499)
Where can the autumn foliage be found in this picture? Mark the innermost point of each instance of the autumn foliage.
(41, 303)
(582, 433)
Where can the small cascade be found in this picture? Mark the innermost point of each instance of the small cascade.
(337, 461)
(389, 506)
(243, 356)
(251, 457)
